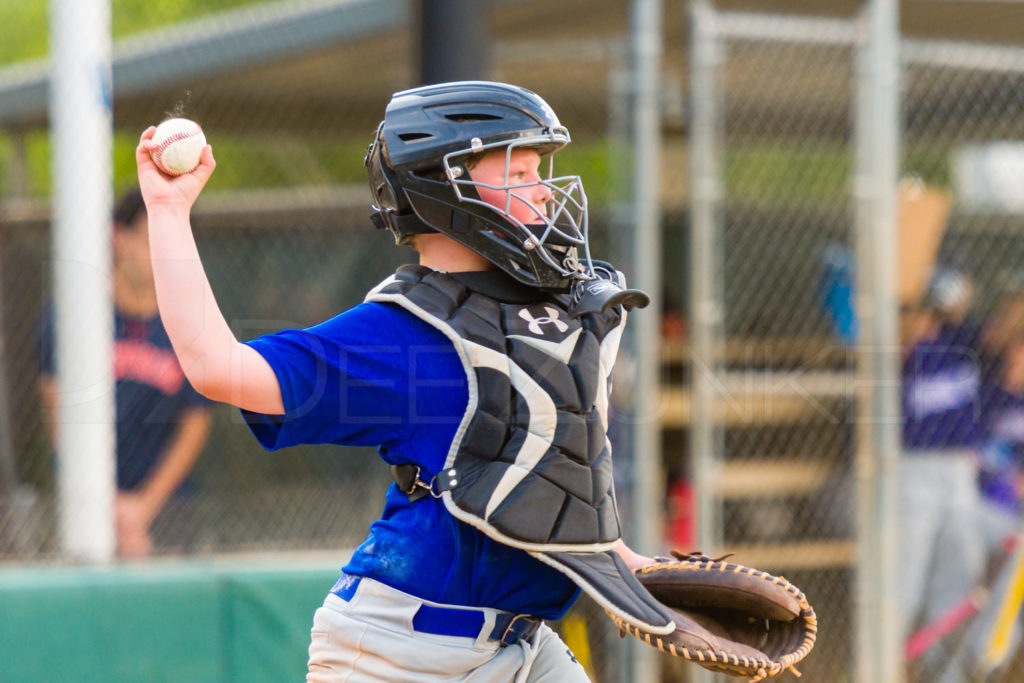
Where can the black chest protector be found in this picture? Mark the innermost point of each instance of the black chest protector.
(530, 464)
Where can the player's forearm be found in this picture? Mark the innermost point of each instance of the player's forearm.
(201, 337)
(632, 559)
(179, 459)
(215, 363)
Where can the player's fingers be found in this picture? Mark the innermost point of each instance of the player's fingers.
(146, 138)
(142, 151)
(146, 141)
(206, 164)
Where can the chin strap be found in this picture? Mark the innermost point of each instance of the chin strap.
(399, 224)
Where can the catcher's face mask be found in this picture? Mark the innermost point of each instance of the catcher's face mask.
(545, 214)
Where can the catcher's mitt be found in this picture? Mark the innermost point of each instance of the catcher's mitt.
(729, 618)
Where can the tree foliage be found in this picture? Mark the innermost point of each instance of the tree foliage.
(26, 28)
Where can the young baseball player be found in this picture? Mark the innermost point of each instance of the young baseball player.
(482, 376)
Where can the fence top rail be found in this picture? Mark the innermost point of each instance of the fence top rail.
(787, 28)
(840, 32)
(252, 208)
(972, 56)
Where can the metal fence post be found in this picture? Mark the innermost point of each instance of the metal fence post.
(443, 59)
(880, 637)
(82, 134)
(705, 257)
(646, 49)
(706, 297)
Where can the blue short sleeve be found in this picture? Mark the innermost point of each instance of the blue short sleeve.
(366, 377)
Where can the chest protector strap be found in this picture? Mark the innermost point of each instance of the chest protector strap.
(530, 464)
(409, 481)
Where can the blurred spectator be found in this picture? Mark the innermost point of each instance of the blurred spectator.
(1002, 455)
(941, 397)
(943, 555)
(838, 291)
(162, 423)
(940, 505)
(942, 371)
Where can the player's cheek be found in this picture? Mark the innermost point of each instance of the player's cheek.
(493, 197)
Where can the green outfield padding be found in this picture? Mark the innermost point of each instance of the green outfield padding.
(191, 622)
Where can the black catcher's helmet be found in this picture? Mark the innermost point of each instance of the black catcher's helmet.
(420, 181)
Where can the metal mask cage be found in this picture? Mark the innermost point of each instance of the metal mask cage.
(561, 230)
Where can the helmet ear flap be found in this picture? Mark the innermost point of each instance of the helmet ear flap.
(382, 188)
(391, 208)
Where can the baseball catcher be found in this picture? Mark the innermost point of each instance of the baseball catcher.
(728, 618)
(482, 375)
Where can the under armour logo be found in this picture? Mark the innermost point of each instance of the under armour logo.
(598, 286)
(535, 323)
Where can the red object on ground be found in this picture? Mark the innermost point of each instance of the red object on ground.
(681, 516)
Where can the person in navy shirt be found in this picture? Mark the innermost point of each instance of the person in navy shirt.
(162, 423)
(427, 596)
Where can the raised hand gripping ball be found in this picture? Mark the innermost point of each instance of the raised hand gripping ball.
(179, 144)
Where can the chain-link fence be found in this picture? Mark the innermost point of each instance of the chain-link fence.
(786, 133)
(289, 94)
(283, 230)
(963, 134)
(781, 490)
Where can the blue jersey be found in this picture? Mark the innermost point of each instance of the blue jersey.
(152, 393)
(377, 375)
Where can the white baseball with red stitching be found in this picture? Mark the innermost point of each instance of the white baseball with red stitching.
(179, 144)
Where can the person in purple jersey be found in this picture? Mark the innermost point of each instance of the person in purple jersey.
(162, 423)
(481, 375)
(942, 431)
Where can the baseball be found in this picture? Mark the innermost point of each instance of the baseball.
(179, 144)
